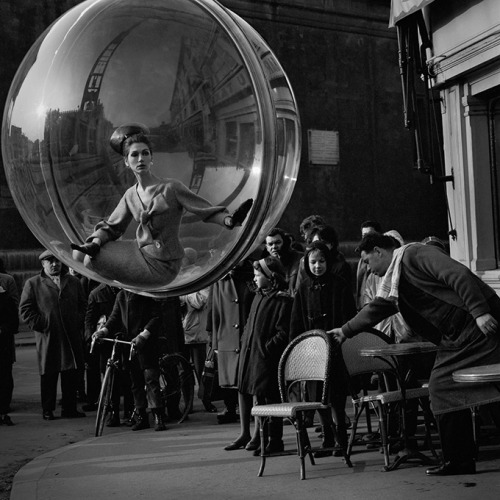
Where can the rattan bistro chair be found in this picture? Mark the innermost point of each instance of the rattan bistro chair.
(385, 399)
(307, 358)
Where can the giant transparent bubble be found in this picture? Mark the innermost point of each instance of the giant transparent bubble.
(221, 112)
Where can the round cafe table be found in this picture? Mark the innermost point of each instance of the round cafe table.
(479, 374)
(403, 349)
(389, 353)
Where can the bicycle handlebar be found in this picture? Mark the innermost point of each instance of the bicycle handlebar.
(114, 341)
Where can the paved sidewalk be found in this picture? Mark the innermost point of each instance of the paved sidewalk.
(188, 462)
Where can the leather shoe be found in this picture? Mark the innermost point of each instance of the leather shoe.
(90, 249)
(72, 414)
(48, 415)
(252, 445)
(452, 469)
(236, 445)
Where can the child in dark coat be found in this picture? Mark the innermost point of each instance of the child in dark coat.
(262, 344)
(324, 299)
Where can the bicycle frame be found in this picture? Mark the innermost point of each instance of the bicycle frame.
(104, 406)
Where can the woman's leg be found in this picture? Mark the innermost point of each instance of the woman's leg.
(245, 402)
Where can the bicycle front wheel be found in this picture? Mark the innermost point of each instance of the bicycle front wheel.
(104, 406)
(177, 386)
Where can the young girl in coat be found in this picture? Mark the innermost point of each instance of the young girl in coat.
(324, 299)
(262, 344)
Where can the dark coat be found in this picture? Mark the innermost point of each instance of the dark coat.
(262, 344)
(440, 300)
(132, 314)
(57, 317)
(324, 302)
(171, 331)
(100, 303)
(229, 305)
(321, 304)
(9, 323)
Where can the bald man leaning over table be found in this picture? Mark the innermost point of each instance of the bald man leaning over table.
(445, 303)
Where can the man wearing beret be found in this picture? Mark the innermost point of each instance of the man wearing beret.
(53, 306)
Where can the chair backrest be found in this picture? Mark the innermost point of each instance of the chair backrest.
(308, 357)
(357, 364)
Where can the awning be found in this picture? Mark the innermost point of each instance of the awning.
(402, 8)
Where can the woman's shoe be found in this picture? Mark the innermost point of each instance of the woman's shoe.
(236, 445)
(252, 445)
(90, 249)
(240, 214)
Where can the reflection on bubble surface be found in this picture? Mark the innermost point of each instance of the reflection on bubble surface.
(221, 112)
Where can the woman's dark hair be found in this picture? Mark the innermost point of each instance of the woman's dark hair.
(123, 132)
(134, 139)
(273, 270)
(310, 223)
(318, 247)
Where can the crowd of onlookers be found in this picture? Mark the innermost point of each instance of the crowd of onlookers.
(282, 289)
(243, 323)
(67, 311)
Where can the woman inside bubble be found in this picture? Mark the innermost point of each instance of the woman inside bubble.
(154, 258)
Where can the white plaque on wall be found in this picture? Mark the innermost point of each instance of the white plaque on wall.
(323, 147)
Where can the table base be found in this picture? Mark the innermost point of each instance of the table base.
(408, 454)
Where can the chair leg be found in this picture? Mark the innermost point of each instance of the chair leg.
(352, 437)
(382, 418)
(302, 440)
(262, 426)
(343, 446)
(367, 415)
(475, 427)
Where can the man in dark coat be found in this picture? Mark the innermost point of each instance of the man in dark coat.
(53, 306)
(138, 318)
(99, 306)
(9, 322)
(445, 303)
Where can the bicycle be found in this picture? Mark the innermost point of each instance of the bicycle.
(104, 406)
(177, 383)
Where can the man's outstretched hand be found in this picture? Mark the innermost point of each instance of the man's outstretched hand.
(337, 335)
